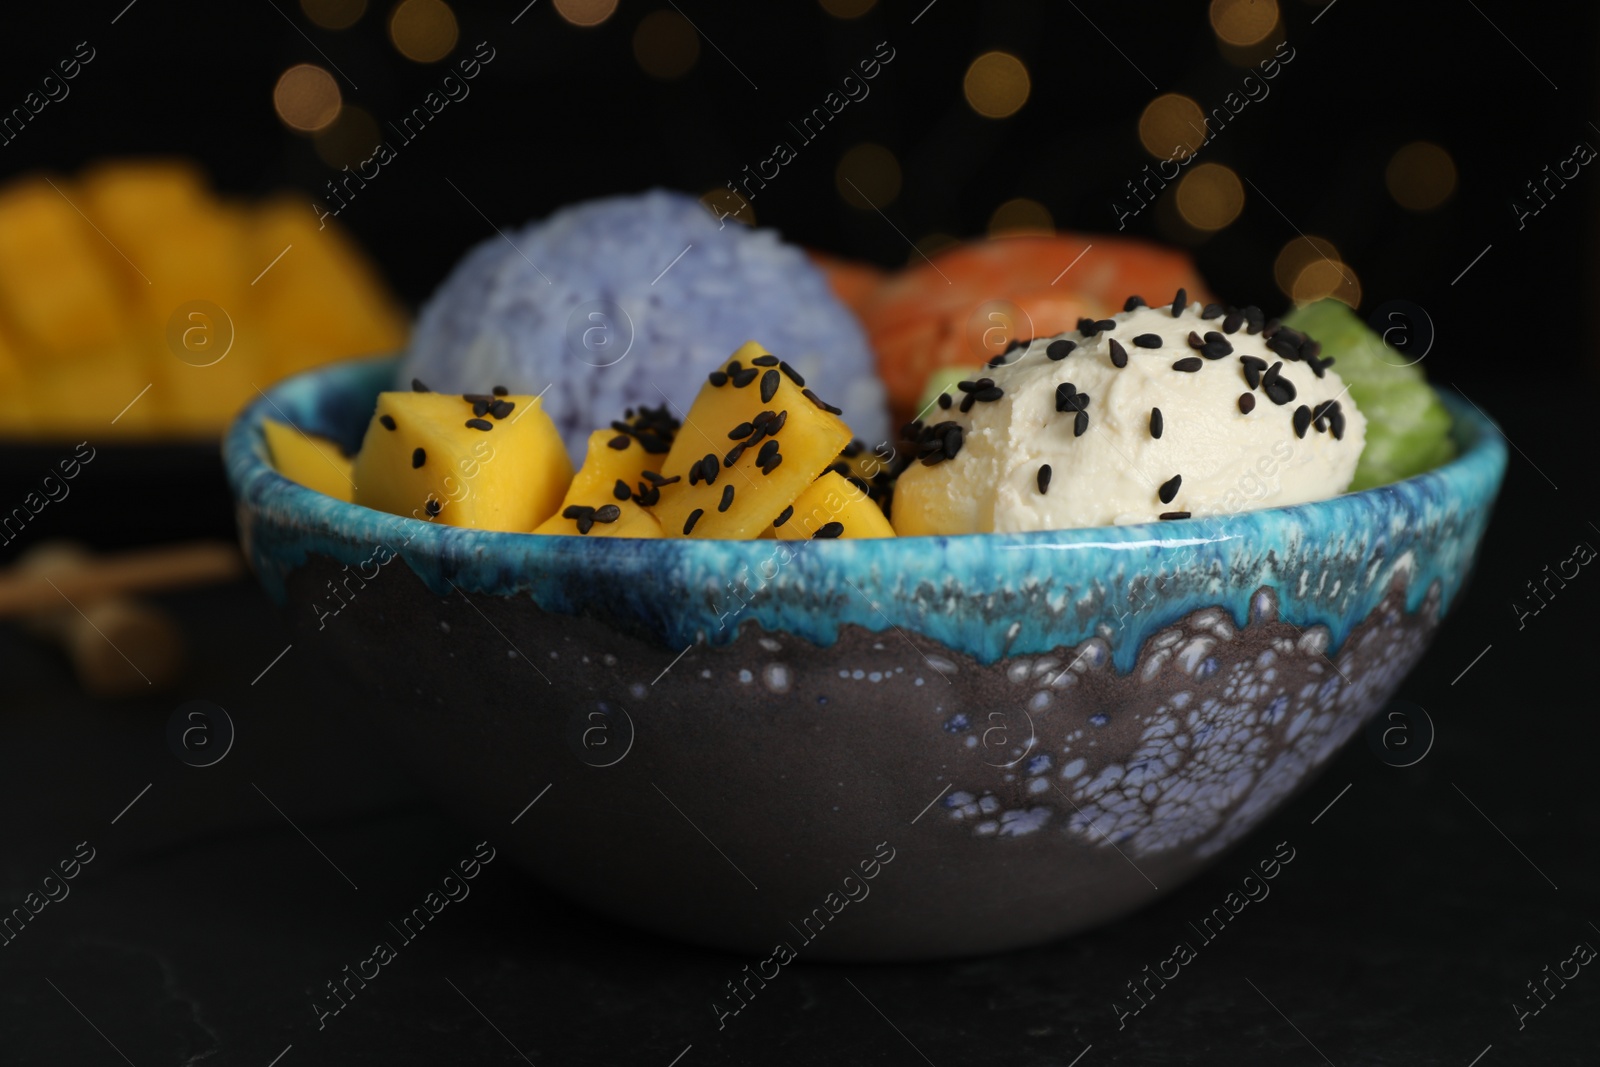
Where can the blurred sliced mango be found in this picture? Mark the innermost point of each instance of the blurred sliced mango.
(137, 275)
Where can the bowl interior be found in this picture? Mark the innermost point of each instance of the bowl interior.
(984, 595)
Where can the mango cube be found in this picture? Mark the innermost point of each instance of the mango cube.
(833, 506)
(483, 461)
(315, 462)
(753, 440)
(600, 501)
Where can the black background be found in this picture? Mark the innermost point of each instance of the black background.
(1415, 914)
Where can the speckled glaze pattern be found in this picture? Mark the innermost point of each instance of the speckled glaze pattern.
(1000, 709)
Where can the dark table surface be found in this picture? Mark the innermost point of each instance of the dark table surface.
(1421, 901)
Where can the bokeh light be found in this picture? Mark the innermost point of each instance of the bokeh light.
(1021, 216)
(1210, 196)
(424, 31)
(848, 9)
(1169, 121)
(334, 14)
(585, 12)
(1323, 278)
(348, 140)
(1420, 176)
(868, 176)
(306, 98)
(1296, 255)
(996, 85)
(729, 206)
(666, 45)
(1243, 22)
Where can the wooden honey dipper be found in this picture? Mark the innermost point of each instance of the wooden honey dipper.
(80, 601)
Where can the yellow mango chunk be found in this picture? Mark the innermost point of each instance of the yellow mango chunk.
(323, 299)
(833, 499)
(315, 462)
(420, 458)
(609, 478)
(129, 196)
(806, 441)
(57, 287)
(73, 396)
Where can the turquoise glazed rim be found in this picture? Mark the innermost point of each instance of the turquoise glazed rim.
(988, 596)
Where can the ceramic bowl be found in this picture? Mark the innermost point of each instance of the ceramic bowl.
(880, 749)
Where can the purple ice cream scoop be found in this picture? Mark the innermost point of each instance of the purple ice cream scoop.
(630, 301)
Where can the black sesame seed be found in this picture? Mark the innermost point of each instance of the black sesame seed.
(648, 496)
(499, 390)
(1211, 311)
(1284, 345)
(1188, 364)
(501, 408)
(727, 498)
(480, 407)
(1254, 319)
(1234, 320)
(418, 458)
(1044, 470)
(1066, 394)
(952, 440)
(733, 455)
(1194, 340)
(479, 424)
(1134, 302)
(1216, 350)
(1080, 423)
(576, 511)
(1156, 423)
(770, 380)
(768, 450)
(619, 442)
(829, 408)
(718, 378)
(607, 513)
(790, 373)
(709, 468)
(1169, 488)
(1086, 327)
(772, 464)
(741, 431)
(783, 516)
(1279, 390)
(966, 403)
(768, 360)
(418, 387)
(944, 401)
(694, 517)
(1302, 419)
(1247, 402)
(1252, 370)
(1148, 340)
(1059, 350)
(829, 530)
(777, 421)
(1336, 422)
(621, 490)
(657, 478)
(432, 507)
(744, 377)
(387, 421)
(1105, 324)
(1119, 355)
(1167, 516)
(994, 392)
(1180, 302)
